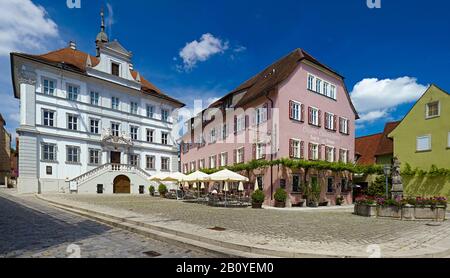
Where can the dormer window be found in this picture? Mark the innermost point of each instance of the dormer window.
(433, 110)
(115, 69)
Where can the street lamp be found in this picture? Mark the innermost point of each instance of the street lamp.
(387, 173)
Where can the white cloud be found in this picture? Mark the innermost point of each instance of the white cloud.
(239, 49)
(200, 51)
(25, 26)
(375, 99)
(110, 20)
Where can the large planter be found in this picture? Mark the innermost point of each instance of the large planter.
(390, 211)
(408, 212)
(427, 213)
(280, 204)
(366, 210)
(257, 205)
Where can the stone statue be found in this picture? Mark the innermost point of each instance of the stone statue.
(397, 183)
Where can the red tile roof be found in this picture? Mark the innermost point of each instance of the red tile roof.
(75, 60)
(369, 147)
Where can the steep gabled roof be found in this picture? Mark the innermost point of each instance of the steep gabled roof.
(367, 147)
(386, 145)
(75, 60)
(275, 74)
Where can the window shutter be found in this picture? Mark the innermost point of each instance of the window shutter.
(247, 121)
(334, 155)
(335, 122)
(291, 108)
(320, 152)
(235, 124)
(310, 115)
(254, 151)
(264, 152)
(320, 118)
(226, 159)
(340, 124)
(266, 112)
(302, 115)
(302, 150)
(348, 127)
(327, 124)
(235, 156)
(310, 155)
(291, 148)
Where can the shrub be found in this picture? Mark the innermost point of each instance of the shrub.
(162, 189)
(152, 189)
(280, 195)
(258, 197)
(339, 201)
(378, 188)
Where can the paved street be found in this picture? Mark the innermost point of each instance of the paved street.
(31, 228)
(324, 231)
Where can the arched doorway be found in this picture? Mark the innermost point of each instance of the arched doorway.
(122, 185)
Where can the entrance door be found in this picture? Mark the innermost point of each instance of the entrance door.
(122, 185)
(115, 157)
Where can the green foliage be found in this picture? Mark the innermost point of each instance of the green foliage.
(162, 189)
(152, 189)
(280, 195)
(378, 188)
(339, 201)
(258, 197)
(433, 172)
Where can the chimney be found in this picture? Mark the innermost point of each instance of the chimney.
(73, 45)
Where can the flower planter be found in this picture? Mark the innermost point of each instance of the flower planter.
(428, 213)
(366, 210)
(280, 204)
(390, 211)
(408, 212)
(257, 205)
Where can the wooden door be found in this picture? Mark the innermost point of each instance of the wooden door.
(115, 158)
(122, 185)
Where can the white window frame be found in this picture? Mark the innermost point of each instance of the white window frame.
(92, 128)
(326, 88)
(428, 110)
(165, 160)
(95, 156)
(165, 114)
(315, 151)
(73, 154)
(330, 154)
(330, 121)
(72, 122)
(73, 94)
(150, 162)
(50, 89)
(428, 148)
(115, 103)
(311, 82)
(261, 115)
(95, 98)
(193, 166)
(240, 123)
(343, 125)
(150, 111)
(296, 110)
(260, 150)
(201, 164)
(333, 89)
(240, 155)
(223, 159)
(315, 116)
(150, 135)
(344, 156)
(50, 152)
(297, 148)
(50, 120)
(115, 132)
(165, 138)
(212, 162)
(134, 132)
(133, 159)
(318, 88)
(134, 108)
(213, 135)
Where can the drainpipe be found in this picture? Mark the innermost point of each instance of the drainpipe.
(271, 152)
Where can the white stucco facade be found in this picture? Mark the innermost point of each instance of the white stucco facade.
(65, 135)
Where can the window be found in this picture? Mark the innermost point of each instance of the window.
(330, 154)
(314, 116)
(311, 82)
(72, 92)
(261, 115)
(212, 162)
(319, 86)
(95, 97)
(115, 103)
(345, 185)
(95, 126)
(49, 118)
(343, 156)
(223, 159)
(212, 135)
(260, 151)
(134, 130)
(115, 129)
(296, 111)
(296, 184)
(193, 166)
(329, 122)
(134, 108)
(326, 90)
(133, 159)
(296, 149)
(260, 180)
(330, 184)
(240, 155)
(73, 154)
(186, 168)
(164, 115)
(344, 126)
(72, 122)
(433, 109)
(49, 152)
(115, 69)
(150, 134)
(165, 138)
(49, 87)
(49, 170)
(333, 92)
(225, 132)
(94, 157)
(424, 143)
(314, 152)
(150, 162)
(165, 162)
(150, 111)
(240, 123)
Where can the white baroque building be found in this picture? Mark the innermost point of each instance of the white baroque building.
(90, 124)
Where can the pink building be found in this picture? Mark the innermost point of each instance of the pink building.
(296, 108)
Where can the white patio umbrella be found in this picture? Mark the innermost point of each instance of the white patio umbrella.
(229, 176)
(196, 177)
(158, 177)
(202, 186)
(194, 186)
(241, 187)
(226, 187)
(175, 177)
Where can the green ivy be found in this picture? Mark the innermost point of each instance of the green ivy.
(433, 172)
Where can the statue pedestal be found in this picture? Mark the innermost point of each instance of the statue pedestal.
(397, 191)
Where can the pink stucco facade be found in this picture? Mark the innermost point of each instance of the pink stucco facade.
(280, 130)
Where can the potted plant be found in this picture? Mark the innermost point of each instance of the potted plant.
(313, 195)
(339, 201)
(258, 198)
(280, 198)
(152, 190)
(162, 190)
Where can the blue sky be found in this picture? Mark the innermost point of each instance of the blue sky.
(393, 53)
